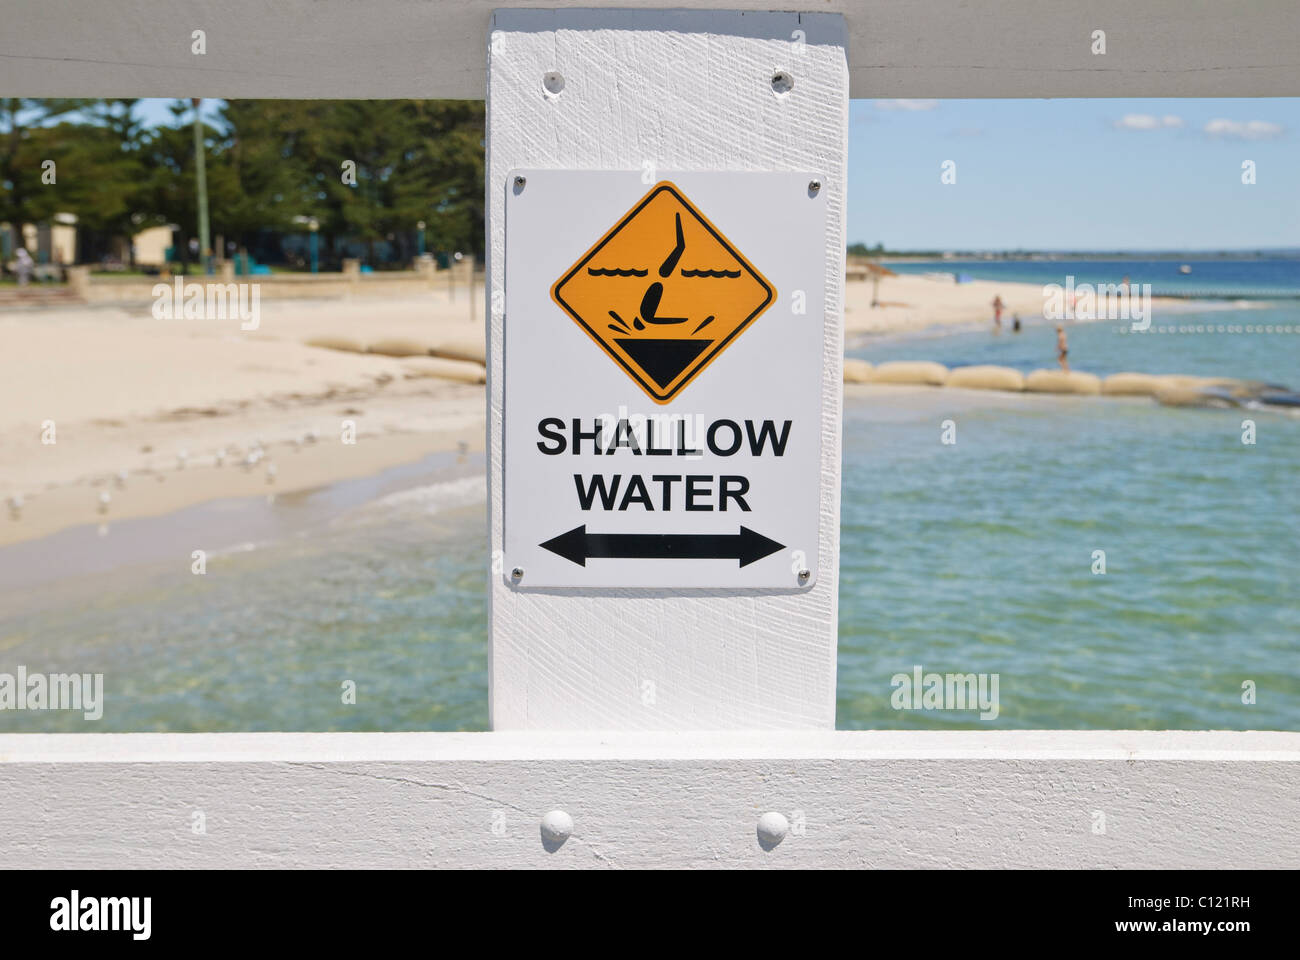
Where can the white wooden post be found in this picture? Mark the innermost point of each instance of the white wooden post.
(691, 91)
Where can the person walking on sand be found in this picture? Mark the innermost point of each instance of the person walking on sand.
(1062, 349)
(997, 313)
(25, 266)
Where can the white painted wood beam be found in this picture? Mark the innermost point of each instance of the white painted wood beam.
(1011, 799)
(433, 48)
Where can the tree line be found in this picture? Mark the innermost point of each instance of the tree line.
(367, 170)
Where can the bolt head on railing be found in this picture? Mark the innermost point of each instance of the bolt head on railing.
(772, 828)
(557, 826)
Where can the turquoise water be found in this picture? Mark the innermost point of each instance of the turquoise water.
(388, 594)
(978, 557)
(975, 557)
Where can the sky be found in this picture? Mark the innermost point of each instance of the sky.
(1063, 174)
(1074, 174)
(157, 111)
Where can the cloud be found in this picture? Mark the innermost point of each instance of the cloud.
(1249, 130)
(1145, 121)
(906, 104)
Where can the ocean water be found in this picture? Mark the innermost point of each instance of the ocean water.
(978, 558)
(381, 585)
(975, 557)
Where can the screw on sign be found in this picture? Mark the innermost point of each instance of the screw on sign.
(663, 292)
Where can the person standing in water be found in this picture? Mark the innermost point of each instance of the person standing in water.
(997, 313)
(1062, 349)
(1015, 323)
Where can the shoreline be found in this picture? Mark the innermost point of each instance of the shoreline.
(918, 303)
(179, 508)
(142, 410)
(298, 469)
(913, 303)
(129, 549)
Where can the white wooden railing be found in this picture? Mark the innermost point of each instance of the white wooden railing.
(1031, 799)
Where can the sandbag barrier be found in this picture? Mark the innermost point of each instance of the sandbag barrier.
(462, 359)
(1169, 389)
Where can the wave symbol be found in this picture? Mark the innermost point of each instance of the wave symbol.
(711, 273)
(615, 272)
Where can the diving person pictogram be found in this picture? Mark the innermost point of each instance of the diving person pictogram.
(663, 330)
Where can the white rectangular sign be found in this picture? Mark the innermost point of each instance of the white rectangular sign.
(663, 346)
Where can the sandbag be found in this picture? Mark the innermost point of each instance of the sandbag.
(856, 371)
(1242, 389)
(400, 347)
(1174, 395)
(345, 344)
(986, 377)
(462, 371)
(1060, 381)
(1134, 384)
(910, 371)
(1238, 388)
(460, 348)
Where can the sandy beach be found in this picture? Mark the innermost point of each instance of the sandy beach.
(910, 302)
(155, 415)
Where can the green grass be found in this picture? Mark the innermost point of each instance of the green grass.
(10, 282)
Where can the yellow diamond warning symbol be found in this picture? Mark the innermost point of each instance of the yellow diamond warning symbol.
(663, 292)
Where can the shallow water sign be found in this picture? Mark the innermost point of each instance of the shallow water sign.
(663, 349)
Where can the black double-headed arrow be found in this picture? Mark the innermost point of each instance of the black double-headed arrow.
(746, 547)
